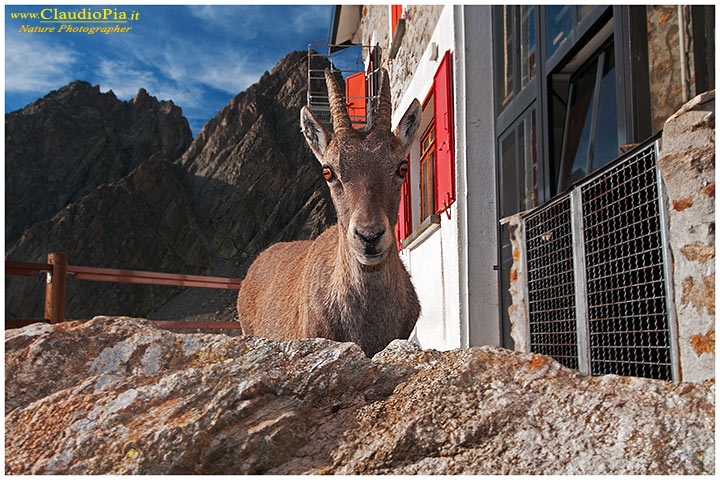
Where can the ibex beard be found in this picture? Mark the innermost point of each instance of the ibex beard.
(348, 284)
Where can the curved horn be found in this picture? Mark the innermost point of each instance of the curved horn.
(338, 111)
(383, 114)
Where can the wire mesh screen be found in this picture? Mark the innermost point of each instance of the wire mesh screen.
(627, 309)
(551, 287)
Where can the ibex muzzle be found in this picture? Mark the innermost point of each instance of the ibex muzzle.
(349, 284)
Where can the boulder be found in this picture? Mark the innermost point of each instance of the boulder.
(120, 396)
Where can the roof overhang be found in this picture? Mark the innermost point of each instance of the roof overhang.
(344, 23)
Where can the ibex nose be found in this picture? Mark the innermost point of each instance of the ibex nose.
(370, 238)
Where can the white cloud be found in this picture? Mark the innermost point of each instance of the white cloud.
(125, 81)
(307, 18)
(197, 62)
(240, 22)
(122, 79)
(32, 65)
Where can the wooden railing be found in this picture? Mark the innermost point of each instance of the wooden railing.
(57, 270)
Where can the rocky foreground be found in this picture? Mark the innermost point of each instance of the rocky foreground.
(118, 395)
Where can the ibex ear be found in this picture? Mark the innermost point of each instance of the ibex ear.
(409, 125)
(315, 133)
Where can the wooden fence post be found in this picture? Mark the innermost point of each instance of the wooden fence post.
(55, 288)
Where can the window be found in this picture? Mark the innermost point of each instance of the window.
(433, 157)
(590, 134)
(404, 224)
(427, 172)
(518, 167)
(560, 21)
(515, 52)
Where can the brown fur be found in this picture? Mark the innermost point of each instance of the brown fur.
(349, 284)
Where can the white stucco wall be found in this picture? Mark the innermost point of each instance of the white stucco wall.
(433, 263)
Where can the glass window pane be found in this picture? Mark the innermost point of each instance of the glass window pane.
(529, 157)
(504, 54)
(423, 191)
(583, 10)
(606, 138)
(559, 24)
(577, 136)
(527, 44)
(518, 157)
(431, 183)
(509, 174)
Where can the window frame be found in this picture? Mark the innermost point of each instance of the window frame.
(427, 158)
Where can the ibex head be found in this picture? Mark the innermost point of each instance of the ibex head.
(364, 169)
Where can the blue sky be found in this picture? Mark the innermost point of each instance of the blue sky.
(198, 56)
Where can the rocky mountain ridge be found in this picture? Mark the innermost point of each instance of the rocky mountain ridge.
(123, 185)
(66, 144)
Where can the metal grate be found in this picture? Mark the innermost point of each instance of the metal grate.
(597, 274)
(626, 298)
(551, 299)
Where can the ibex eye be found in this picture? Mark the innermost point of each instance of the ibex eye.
(403, 169)
(328, 173)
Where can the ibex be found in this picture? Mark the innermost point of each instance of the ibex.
(348, 284)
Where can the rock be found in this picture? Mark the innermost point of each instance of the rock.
(120, 396)
(142, 222)
(687, 166)
(66, 144)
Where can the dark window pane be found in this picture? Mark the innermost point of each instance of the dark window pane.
(504, 54)
(431, 184)
(425, 190)
(529, 158)
(514, 46)
(583, 10)
(518, 154)
(559, 24)
(509, 174)
(427, 205)
(560, 91)
(577, 137)
(606, 139)
(527, 44)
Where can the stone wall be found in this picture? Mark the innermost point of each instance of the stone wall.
(687, 166)
(420, 24)
(664, 61)
(517, 311)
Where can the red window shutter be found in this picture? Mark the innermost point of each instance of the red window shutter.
(396, 14)
(355, 98)
(444, 139)
(404, 225)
